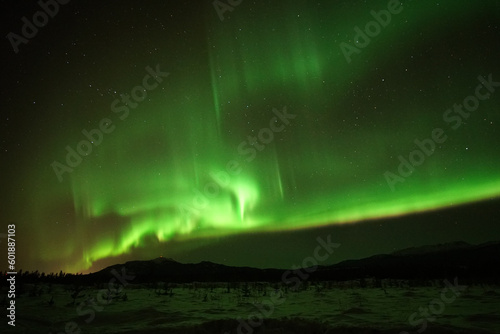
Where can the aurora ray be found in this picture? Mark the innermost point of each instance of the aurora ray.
(206, 154)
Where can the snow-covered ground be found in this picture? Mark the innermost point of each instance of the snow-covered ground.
(325, 307)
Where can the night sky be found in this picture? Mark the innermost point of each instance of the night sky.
(240, 133)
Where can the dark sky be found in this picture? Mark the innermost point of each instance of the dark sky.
(240, 134)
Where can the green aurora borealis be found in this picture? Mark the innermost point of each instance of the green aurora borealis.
(151, 180)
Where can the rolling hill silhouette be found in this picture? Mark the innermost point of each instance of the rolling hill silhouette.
(426, 262)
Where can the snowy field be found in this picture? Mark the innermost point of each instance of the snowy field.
(324, 307)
